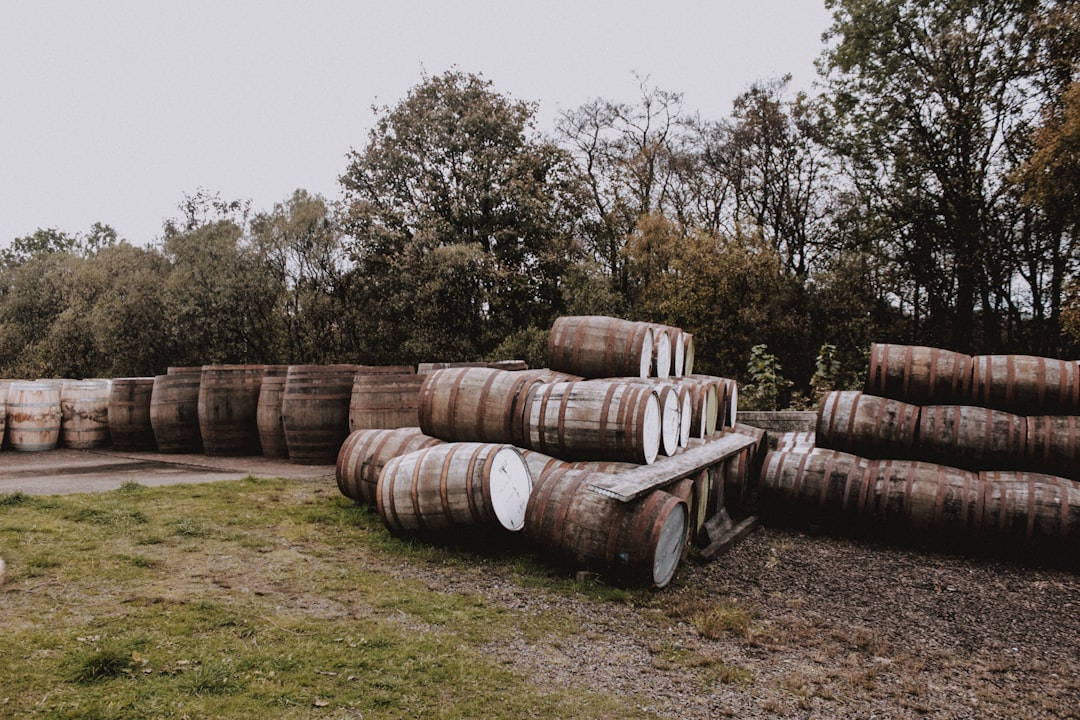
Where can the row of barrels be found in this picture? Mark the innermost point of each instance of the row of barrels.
(302, 412)
(1019, 384)
(421, 484)
(973, 438)
(836, 490)
(622, 419)
(598, 346)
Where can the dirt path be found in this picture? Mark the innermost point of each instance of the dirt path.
(63, 470)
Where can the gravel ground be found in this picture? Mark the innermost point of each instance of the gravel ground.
(789, 624)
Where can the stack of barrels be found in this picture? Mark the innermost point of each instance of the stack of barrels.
(940, 442)
(616, 395)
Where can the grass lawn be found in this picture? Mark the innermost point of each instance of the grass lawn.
(252, 599)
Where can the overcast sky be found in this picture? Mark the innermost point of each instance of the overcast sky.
(111, 111)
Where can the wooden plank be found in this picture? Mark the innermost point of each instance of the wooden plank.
(728, 540)
(626, 486)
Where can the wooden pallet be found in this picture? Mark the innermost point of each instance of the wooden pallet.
(631, 484)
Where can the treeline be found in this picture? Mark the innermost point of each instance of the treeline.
(928, 195)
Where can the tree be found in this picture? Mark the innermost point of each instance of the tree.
(629, 156)
(220, 297)
(457, 164)
(300, 242)
(929, 101)
(776, 168)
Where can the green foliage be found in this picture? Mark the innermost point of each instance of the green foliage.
(529, 344)
(826, 375)
(767, 383)
(462, 222)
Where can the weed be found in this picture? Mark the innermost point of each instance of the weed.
(98, 665)
(722, 620)
(13, 499)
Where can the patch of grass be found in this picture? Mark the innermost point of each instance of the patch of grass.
(96, 665)
(289, 608)
(14, 499)
(721, 620)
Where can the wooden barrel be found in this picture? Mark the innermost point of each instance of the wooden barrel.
(385, 400)
(672, 399)
(639, 542)
(727, 398)
(662, 354)
(815, 487)
(129, 413)
(540, 464)
(974, 438)
(918, 375)
(795, 442)
(174, 412)
(453, 485)
(1026, 385)
(185, 370)
(595, 346)
(867, 425)
(688, 354)
(228, 402)
(739, 473)
(684, 490)
(33, 416)
(364, 454)
(315, 411)
(707, 399)
(1052, 445)
(475, 404)
(268, 419)
(594, 420)
(696, 492)
(678, 352)
(5, 386)
(84, 414)
(1029, 506)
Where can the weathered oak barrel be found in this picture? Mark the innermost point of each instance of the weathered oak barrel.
(596, 346)
(452, 485)
(639, 542)
(474, 404)
(540, 464)
(736, 478)
(918, 375)
(594, 420)
(795, 441)
(33, 416)
(129, 413)
(1052, 445)
(384, 400)
(315, 411)
(867, 425)
(674, 432)
(174, 412)
(688, 354)
(663, 354)
(1026, 384)
(1030, 506)
(848, 491)
(268, 419)
(5, 386)
(364, 454)
(705, 404)
(228, 402)
(974, 438)
(84, 414)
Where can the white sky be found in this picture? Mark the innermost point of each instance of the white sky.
(112, 110)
